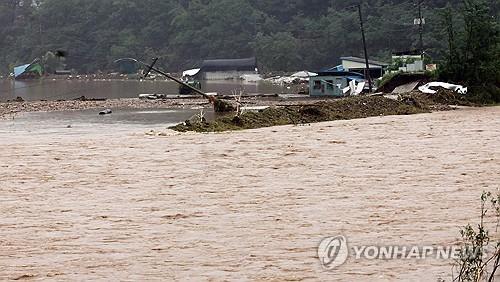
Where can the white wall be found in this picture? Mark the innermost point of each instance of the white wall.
(222, 75)
(355, 65)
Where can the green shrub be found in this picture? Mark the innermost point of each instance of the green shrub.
(484, 95)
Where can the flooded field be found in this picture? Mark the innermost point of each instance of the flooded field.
(90, 122)
(47, 89)
(110, 202)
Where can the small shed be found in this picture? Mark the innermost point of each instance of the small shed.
(227, 68)
(355, 64)
(332, 83)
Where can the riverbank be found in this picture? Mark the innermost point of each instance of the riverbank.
(10, 109)
(116, 202)
(285, 109)
(339, 109)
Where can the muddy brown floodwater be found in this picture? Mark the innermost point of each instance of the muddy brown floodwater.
(51, 89)
(119, 204)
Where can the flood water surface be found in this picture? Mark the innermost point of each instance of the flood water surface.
(118, 204)
(48, 89)
(85, 121)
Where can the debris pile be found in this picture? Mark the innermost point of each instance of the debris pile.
(443, 100)
(296, 78)
(152, 96)
(427, 89)
(105, 112)
(420, 87)
(390, 84)
(84, 99)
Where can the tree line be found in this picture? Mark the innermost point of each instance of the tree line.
(284, 36)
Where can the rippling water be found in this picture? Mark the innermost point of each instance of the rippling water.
(118, 204)
(48, 89)
(85, 121)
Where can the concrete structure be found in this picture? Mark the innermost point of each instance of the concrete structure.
(416, 66)
(331, 83)
(355, 64)
(408, 61)
(227, 69)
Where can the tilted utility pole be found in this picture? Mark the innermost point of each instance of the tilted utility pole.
(365, 49)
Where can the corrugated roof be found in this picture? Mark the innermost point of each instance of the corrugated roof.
(341, 73)
(20, 70)
(361, 60)
(229, 64)
(28, 69)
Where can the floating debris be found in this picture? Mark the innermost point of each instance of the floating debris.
(105, 112)
(152, 96)
(83, 99)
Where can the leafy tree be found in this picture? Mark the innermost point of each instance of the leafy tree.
(473, 53)
(51, 62)
(296, 34)
(280, 48)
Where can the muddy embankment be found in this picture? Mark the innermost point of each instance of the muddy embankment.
(341, 109)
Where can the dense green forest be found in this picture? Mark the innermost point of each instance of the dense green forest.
(283, 35)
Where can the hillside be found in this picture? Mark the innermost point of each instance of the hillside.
(301, 34)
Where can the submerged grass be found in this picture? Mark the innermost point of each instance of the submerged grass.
(342, 109)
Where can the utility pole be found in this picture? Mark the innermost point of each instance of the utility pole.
(365, 49)
(421, 28)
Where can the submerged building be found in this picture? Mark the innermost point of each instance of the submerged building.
(332, 83)
(222, 69)
(33, 70)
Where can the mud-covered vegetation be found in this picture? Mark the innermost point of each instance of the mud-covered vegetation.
(479, 258)
(392, 80)
(342, 109)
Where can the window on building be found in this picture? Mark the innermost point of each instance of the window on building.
(329, 84)
(317, 84)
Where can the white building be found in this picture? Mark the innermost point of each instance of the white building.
(227, 68)
(355, 64)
